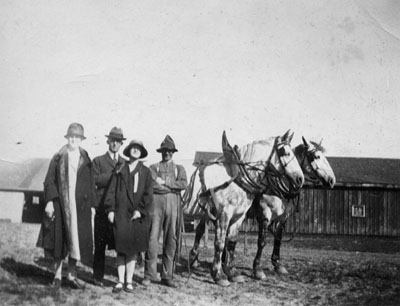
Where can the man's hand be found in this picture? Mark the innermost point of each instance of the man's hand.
(111, 217)
(136, 215)
(160, 181)
(49, 210)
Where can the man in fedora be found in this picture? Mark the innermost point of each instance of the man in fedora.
(70, 195)
(103, 167)
(169, 179)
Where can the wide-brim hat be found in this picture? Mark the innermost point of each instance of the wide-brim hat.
(75, 129)
(143, 150)
(116, 133)
(167, 144)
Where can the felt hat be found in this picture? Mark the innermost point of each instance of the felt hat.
(143, 150)
(75, 129)
(116, 133)
(167, 144)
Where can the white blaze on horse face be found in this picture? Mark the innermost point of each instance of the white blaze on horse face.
(287, 163)
(323, 169)
(319, 164)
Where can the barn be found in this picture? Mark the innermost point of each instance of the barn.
(21, 190)
(365, 200)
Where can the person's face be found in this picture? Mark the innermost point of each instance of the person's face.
(135, 152)
(74, 142)
(114, 145)
(167, 155)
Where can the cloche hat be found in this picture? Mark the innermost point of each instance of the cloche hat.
(75, 129)
(143, 150)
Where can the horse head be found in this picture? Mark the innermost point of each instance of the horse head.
(285, 162)
(314, 163)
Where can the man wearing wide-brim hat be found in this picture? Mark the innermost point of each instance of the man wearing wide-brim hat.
(103, 167)
(169, 179)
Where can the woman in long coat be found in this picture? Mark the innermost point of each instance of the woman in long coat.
(69, 192)
(126, 204)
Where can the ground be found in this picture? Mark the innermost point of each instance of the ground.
(322, 271)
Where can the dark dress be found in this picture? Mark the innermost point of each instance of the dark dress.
(130, 236)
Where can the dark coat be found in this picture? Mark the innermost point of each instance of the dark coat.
(130, 237)
(103, 168)
(53, 234)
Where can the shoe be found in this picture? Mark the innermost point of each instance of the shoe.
(147, 280)
(118, 288)
(56, 284)
(169, 283)
(75, 284)
(98, 283)
(128, 288)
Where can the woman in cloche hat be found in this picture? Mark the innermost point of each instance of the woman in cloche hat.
(66, 228)
(129, 197)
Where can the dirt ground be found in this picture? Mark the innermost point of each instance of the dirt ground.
(322, 271)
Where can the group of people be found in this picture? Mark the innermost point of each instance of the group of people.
(131, 204)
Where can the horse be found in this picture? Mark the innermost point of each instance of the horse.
(229, 185)
(316, 168)
(270, 211)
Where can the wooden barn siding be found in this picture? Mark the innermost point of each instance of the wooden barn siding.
(323, 211)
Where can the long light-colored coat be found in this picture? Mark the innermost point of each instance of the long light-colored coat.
(54, 235)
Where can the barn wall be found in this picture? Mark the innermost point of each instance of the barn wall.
(323, 211)
(11, 205)
(329, 212)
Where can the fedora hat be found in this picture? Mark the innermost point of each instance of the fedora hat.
(116, 133)
(143, 150)
(75, 129)
(167, 144)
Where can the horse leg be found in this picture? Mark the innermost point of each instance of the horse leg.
(261, 242)
(194, 252)
(275, 257)
(228, 256)
(219, 244)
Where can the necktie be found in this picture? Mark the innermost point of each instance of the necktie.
(115, 159)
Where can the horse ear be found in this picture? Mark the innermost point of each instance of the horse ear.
(286, 135)
(307, 144)
(291, 137)
(320, 143)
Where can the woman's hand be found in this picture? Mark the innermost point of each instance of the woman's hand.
(49, 210)
(136, 215)
(111, 217)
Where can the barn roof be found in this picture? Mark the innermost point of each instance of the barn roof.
(349, 171)
(367, 172)
(25, 176)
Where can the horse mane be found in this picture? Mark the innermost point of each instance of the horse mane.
(254, 151)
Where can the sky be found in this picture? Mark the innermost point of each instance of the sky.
(324, 69)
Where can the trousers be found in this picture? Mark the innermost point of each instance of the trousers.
(164, 216)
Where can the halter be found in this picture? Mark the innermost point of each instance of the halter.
(309, 155)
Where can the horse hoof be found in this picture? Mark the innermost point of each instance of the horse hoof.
(223, 283)
(281, 270)
(237, 279)
(260, 275)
